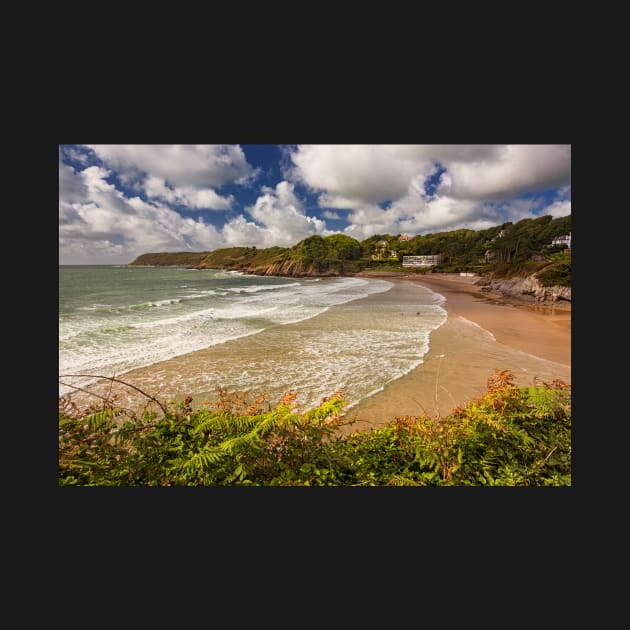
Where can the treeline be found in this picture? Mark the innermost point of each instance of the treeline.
(335, 254)
(507, 243)
(510, 436)
(170, 259)
(522, 248)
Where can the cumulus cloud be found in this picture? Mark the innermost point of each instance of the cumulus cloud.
(329, 214)
(279, 219)
(558, 209)
(196, 198)
(179, 173)
(357, 174)
(196, 165)
(385, 185)
(102, 225)
(71, 185)
(512, 170)
(352, 175)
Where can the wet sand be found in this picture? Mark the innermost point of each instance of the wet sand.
(483, 333)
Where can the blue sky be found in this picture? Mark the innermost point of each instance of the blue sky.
(118, 201)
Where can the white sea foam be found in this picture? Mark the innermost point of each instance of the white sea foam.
(266, 287)
(353, 346)
(107, 338)
(120, 353)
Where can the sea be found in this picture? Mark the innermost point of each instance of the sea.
(174, 332)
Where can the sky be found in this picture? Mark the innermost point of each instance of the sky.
(117, 201)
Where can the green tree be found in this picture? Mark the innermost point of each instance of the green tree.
(345, 247)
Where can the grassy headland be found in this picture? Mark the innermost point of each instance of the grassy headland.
(504, 251)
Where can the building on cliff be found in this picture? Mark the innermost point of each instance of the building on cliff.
(559, 241)
(422, 261)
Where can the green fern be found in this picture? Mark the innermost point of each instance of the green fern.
(99, 420)
(326, 410)
(546, 402)
(280, 418)
(225, 423)
(240, 443)
(200, 462)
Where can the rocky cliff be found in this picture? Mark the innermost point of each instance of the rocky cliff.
(292, 268)
(527, 288)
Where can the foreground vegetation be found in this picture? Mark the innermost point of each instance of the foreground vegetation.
(510, 436)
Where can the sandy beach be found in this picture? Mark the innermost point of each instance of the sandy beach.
(483, 333)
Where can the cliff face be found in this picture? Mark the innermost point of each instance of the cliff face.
(291, 268)
(528, 289)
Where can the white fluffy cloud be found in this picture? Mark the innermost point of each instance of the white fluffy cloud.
(559, 209)
(157, 188)
(384, 185)
(101, 225)
(355, 174)
(352, 175)
(512, 170)
(185, 174)
(279, 219)
(71, 186)
(196, 165)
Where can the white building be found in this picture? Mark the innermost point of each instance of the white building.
(560, 241)
(422, 261)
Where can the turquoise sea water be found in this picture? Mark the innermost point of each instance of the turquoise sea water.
(184, 332)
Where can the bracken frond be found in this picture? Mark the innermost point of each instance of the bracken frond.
(99, 419)
(327, 411)
(256, 407)
(403, 424)
(237, 403)
(340, 394)
(280, 418)
(226, 422)
(200, 462)
(499, 379)
(68, 409)
(558, 384)
(235, 445)
(288, 399)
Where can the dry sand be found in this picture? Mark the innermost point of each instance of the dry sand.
(483, 333)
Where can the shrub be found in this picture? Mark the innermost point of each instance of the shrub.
(509, 436)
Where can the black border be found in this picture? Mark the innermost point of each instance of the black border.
(258, 112)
